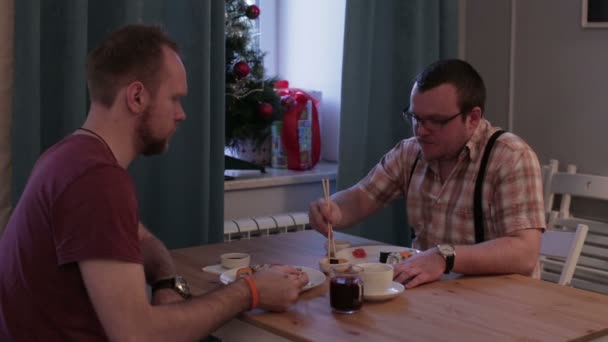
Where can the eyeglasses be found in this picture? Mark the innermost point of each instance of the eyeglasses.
(431, 124)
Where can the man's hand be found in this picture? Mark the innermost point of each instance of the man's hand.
(166, 296)
(279, 287)
(319, 215)
(421, 268)
(346, 208)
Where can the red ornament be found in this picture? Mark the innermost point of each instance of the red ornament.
(281, 84)
(252, 12)
(241, 69)
(265, 110)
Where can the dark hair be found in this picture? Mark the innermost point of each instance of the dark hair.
(469, 85)
(131, 53)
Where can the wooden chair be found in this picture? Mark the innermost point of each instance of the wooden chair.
(592, 270)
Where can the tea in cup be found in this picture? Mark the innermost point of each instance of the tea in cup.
(377, 277)
(346, 289)
(235, 260)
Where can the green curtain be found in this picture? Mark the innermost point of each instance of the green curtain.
(180, 193)
(386, 43)
(7, 57)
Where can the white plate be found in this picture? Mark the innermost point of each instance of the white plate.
(315, 277)
(373, 253)
(392, 292)
(215, 269)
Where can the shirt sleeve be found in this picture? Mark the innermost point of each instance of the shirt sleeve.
(388, 179)
(96, 217)
(519, 193)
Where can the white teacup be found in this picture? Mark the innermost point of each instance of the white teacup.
(377, 277)
(235, 260)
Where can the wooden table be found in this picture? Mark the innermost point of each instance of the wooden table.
(472, 308)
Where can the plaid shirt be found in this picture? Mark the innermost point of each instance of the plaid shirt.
(443, 213)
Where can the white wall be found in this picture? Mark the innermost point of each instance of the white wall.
(559, 76)
(558, 73)
(562, 82)
(486, 43)
(309, 43)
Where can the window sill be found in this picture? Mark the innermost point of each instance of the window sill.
(278, 191)
(252, 179)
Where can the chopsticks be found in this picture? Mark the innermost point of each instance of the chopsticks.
(331, 244)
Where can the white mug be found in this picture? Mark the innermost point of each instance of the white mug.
(377, 277)
(235, 260)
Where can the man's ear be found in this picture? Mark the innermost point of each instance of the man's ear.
(475, 116)
(137, 97)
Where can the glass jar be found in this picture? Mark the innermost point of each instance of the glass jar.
(346, 289)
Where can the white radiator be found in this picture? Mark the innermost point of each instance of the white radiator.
(246, 228)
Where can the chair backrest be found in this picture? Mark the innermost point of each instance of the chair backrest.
(592, 270)
(547, 173)
(571, 184)
(565, 245)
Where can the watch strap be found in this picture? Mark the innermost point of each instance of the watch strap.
(168, 283)
(449, 263)
(448, 256)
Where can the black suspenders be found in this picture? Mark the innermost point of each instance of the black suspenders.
(477, 195)
(412, 232)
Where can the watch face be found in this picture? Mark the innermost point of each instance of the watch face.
(181, 285)
(446, 249)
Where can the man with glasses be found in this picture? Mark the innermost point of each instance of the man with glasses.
(474, 195)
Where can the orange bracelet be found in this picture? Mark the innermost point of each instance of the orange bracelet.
(255, 296)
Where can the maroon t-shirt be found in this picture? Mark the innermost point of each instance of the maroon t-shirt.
(78, 204)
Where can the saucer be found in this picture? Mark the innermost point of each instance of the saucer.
(392, 292)
(315, 277)
(215, 269)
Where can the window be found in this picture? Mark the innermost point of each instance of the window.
(267, 38)
(308, 53)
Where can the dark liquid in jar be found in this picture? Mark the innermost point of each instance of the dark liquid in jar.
(345, 294)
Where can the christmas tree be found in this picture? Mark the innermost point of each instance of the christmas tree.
(251, 102)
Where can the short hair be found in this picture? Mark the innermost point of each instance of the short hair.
(133, 52)
(467, 81)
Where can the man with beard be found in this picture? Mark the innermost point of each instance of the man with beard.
(74, 259)
(438, 173)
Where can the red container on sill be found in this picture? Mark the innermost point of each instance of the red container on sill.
(296, 140)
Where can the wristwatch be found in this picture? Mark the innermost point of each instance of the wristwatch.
(448, 252)
(177, 283)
